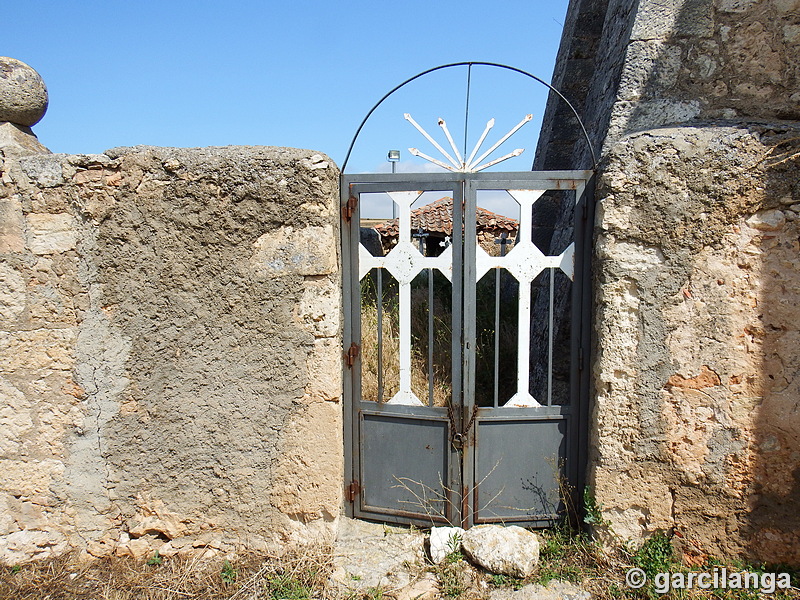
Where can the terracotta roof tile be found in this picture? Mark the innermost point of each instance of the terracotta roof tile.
(438, 217)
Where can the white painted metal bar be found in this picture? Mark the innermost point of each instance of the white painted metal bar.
(529, 263)
(416, 152)
(477, 147)
(443, 125)
(491, 163)
(419, 128)
(501, 140)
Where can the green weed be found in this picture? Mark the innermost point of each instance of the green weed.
(656, 555)
(286, 587)
(507, 581)
(228, 573)
(450, 575)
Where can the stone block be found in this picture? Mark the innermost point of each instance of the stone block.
(509, 550)
(29, 477)
(12, 295)
(443, 541)
(325, 370)
(16, 420)
(12, 234)
(320, 307)
(49, 234)
(308, 475)
(38, 350)
(22, 546)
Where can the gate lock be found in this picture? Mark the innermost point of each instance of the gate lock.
(459, 438)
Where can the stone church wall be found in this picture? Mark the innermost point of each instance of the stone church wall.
(169, 350)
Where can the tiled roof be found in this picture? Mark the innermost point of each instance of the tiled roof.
(438, 217)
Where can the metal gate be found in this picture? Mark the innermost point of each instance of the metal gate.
(465, 335)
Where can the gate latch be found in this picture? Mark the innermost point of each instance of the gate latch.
(353, 490)
(351, 354)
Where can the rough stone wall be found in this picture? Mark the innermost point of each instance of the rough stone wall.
(629, 66)
(692, 108)
(170, 350)
(697, 372)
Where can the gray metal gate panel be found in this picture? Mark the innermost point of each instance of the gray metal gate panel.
(406, 475)
(512, 459)
(520, 465)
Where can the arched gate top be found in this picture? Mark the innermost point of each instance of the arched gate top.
(470, 64)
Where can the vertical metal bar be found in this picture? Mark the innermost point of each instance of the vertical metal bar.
(581, 326)
(430, 337)
(524, 339)
(351, 332)
(496, 336)
(470, 242)
(456, 470)
(550, 339)
(380, 335)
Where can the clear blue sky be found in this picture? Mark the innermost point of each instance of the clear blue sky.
(301, 74)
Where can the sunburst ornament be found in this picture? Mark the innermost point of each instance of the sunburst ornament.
(471, 164)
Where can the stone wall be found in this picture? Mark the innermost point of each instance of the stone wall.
(170, 350)
(692, 108)
(697, 368)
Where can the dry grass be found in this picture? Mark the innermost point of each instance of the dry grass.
(301, 574)
(442, 390)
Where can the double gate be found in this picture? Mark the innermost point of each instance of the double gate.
(466, 345)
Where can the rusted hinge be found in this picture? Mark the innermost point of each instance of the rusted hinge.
(349, 207)
(353, 490)
(351, 354)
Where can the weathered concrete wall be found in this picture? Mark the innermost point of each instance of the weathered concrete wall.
(170, 350)
(692, 108)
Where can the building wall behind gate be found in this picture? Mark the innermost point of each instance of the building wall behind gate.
(170, 350)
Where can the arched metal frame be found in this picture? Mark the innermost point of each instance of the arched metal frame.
(470, 64)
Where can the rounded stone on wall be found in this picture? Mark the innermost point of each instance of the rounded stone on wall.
(23, 95)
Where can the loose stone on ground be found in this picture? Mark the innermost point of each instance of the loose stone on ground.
(443, 541)
(510, 550)
(555, 590)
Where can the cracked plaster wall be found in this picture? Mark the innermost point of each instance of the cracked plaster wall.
(169, 351)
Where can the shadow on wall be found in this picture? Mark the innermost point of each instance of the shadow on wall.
(774, 519)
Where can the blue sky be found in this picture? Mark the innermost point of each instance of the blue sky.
(301, 74)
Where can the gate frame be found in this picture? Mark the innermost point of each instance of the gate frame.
(580, 380)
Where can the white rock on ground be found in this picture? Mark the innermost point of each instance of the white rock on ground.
(425, 588)
(503, 550)
(370, 555)
(555, 590)
(443, 541)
